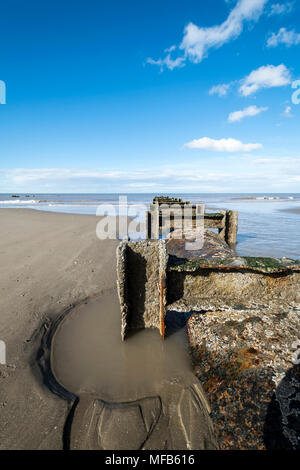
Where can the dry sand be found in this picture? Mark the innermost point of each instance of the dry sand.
(48, 262)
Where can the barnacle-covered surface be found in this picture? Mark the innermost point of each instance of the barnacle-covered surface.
(243, 318)
(248, 363)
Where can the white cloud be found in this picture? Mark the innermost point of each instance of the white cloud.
(138, 177)
(24, 175)
(289, 38)
(222, 145)
(247, 112)
(267, 76)
(285, 161)
(281, 8)
(220, 90)
(259, 175)
(168, 62)
(170, 49)
(197, 41)
(163, 178)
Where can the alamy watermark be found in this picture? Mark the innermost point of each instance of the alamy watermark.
(296, 94)
(135, 221)
(2, 92)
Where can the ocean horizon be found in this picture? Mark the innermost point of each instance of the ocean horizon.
(266, 225)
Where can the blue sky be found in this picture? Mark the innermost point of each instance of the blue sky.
(150, 96)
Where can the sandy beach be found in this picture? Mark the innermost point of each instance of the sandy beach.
(60, 320)
(48, 262)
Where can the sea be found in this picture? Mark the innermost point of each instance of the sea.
(266, 226)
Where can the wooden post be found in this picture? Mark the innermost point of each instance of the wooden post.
(231, 227)
(162, 304)
(222, 229)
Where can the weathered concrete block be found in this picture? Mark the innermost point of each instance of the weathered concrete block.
(243, 317)
(210, 284)
(180, 246)
(141, 284)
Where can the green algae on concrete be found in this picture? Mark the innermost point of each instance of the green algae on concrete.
(189, 265)
(267, 265)
(271, 263)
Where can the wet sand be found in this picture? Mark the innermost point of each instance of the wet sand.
(48, 262)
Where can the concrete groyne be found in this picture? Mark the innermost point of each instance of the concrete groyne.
(242, 317)
(168, 214)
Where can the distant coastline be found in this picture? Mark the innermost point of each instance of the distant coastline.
(261, 198)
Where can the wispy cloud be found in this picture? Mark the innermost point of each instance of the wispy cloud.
(221, 89)
(267, 76)
(25, 175)
(284, 161)
(222, 145)
(288, 38)
(81, 180)
(246, 112)
(168, 62)
(171, 48)
(260, 174)
(281, 8)
(197, 41)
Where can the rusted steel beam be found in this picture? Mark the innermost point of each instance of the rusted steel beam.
(162, 310)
